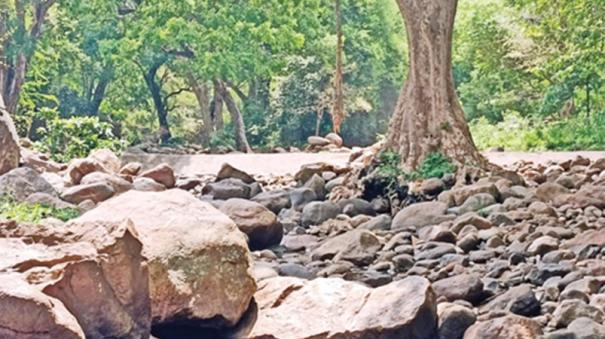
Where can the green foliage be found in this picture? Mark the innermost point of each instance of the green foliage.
(514, 132)
(76, 137)
(435, 165)
(24, 212)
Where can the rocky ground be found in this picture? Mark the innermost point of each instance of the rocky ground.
(517, 253)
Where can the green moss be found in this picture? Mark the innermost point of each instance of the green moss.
(24, 212)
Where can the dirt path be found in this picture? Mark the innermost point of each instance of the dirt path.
(279, 164)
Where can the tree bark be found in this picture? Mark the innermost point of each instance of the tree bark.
(241, 141)
(99, 92)
(216, 109)
(428, 117)
(158, 101)
(338, 109)
(200, 89)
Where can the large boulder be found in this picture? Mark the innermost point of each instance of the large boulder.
(163, 174)
(357, 246)
(97, 274)
(9, 152)
(335, 308)
(511, 326)
(260, 225)
(107, 158)
(227, 171)
(199, 262)
(23, 182)
(316, 212)
(95, 192)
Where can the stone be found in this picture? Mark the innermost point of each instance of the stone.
(510, 326)
(589, 195)
(295, 308)
(581, 328)
(147, 185)
(476, 202)
(317, 141)
(29, 313)
(163, 174)
(256, 221)
(420, 215)
(552, 193)
(307, 171)
(10, 150)
(434, 250)
(22, 182)
(131, 168)
(78, 168)
(356, 246)
(199, 263)
(470, 219)
(48, 200)
(40, 162)
(461, 194)
(97, 273)
(301, 196)
(227, 189)
(519, 300)
(594, 238)
(437, 233)
(539, 273)
(295, 270)
(335, 139)
(275, 200)
(317, 212)
(571, 309)
(538, 207)
(107, 158)
(454, 320)
(467, 287)
(227, 172)
(432, 186)
(118, 184)
(381, 222)
(96, 192)
(543, 245)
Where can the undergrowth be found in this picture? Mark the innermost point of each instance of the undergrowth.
(33, 213)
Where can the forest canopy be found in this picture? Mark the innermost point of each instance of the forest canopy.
(113, 73)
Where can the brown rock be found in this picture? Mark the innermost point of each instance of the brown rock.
(40, 162)
(335, 308)
(589, 195)
(356, 246)
(335, 139)
(96, 192)
(555, 194)
(147, 185)
(260, 225)
(9, 152)
(118, 184)
(460, 287)
(460, 194)
(511, 326)
(131, 168)
(227, 171)
(420, 215)
(78, 168)
(107, 158)
(162, 174)
(199, 263)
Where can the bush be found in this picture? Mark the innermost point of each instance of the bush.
(76, 137)
(23, 212)
(434, 166)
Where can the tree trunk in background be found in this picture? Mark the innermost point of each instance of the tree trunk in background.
(156, 94)
(428, 117)
(99, 93)
(241, 141)
(216, 109)
(203, 98)
(338, 109)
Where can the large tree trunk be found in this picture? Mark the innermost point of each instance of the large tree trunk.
(338, 108)
(241, 141)
(99, 92)
(158, 101)
(428, 117)
(216, 109)
(200, 89)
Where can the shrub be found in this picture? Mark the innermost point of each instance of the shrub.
(76, 137)
(23, 212)
(434, 166)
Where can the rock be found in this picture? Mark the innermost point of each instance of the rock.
(22, 182)
(317, 212)
(433, 250)
(335, 139)
(454, 320)
(118, 184)
(519, 300)
(188, 184)
(227, 189)
(420, 215)
(227, 171)
(356, 246)
(355, 206)
(511, 326)
(29, 313)
(301, 196)
(581, 328)
(294, 308)
(295, 270)
(147, 185)
(107, 158)
(437, 233)
(317, 141)
(470, 219)
(432, 187)
(539, 273)
(40, 162)
(589, 195)
(98, 273)
(256, 221)
(318, 185)
(199, 263)
(10, 150)
(538, 207)
(48, 200)
(543, 245)
(96, 192)
(571, 309)
(476, 202)
(275, 200)
(78, 168)
(162, 174)
(307, 171)
(461, 194)
(131, 168)
(552, 193)
(381, 222)
(467, 287)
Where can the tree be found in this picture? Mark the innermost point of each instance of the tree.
(338, 107)
(20, 28)
(428, 117)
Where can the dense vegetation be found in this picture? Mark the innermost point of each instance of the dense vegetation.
(121, 72)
